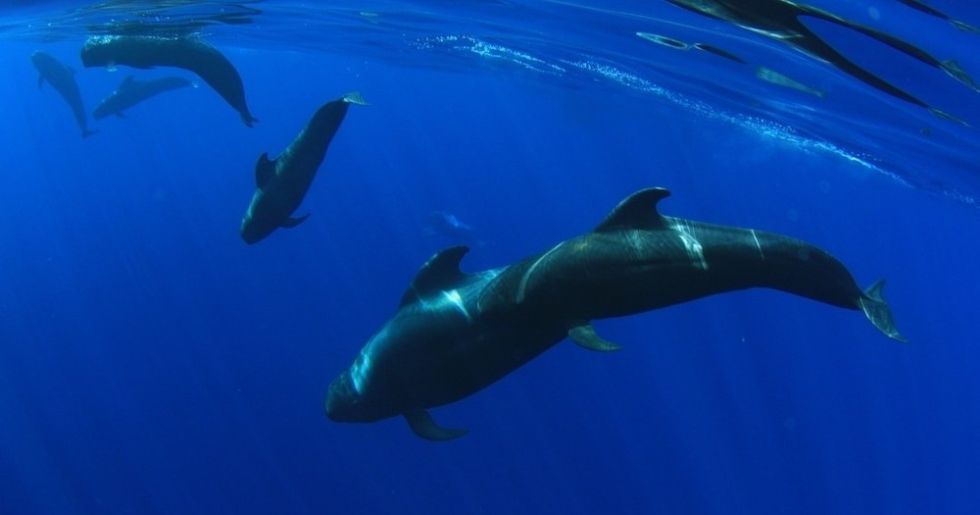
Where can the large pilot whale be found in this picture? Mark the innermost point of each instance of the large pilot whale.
(132, 91)
(62, 79)
(456, 333)
(281, 184)
(186, 52)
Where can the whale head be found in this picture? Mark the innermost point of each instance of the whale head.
(254, 229)
(342, 400)
(346, 403)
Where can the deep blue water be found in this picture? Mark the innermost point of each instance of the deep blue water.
(151, 362)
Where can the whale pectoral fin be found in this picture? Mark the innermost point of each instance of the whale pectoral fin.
(265, 170)
(585, 336)
(875, 307)
(293, 222)
(40, 81)
(422, 424)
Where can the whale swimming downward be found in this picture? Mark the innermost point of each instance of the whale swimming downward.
(282, 183)
(456, 333)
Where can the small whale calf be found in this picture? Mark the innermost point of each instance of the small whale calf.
(132, 91)
(62, 79)
(455, 333)
(449, 226)
(189, 53)
(282, 183)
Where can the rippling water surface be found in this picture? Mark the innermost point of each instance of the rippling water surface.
(640, 48)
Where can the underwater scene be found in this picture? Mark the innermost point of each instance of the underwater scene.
(490, 257)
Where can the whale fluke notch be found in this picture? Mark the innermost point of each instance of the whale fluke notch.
(875, 307)
(637, 211)
(441, 271)
(265, 170)
(585, 336)
(425, 427)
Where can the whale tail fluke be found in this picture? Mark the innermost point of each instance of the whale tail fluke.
(965, 27)
(88, 132)
(953, 69)
(875, 307)
(249, 119)
(354, 97)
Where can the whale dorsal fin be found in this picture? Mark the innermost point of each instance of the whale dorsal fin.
(637, 211)
(440, 272)
(265, 170)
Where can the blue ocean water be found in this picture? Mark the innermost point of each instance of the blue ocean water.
(151, 362)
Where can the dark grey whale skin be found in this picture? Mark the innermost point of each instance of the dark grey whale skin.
(457, 333)
(282, 184)
(62, 79)
(188, 53)
(132, 91)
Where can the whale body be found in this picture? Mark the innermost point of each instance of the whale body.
(281, 184)
(186, 52)
(62, 79)
(132, 91)
(456, 333)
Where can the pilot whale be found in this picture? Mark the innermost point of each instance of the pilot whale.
(62, 79)
(132, 91)
(456, 333)
(190, 53)
(282, 183)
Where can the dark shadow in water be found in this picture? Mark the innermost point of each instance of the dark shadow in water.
(781, 20)
(932, 11)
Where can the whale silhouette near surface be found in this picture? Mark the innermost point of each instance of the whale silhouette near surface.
(186, 52)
